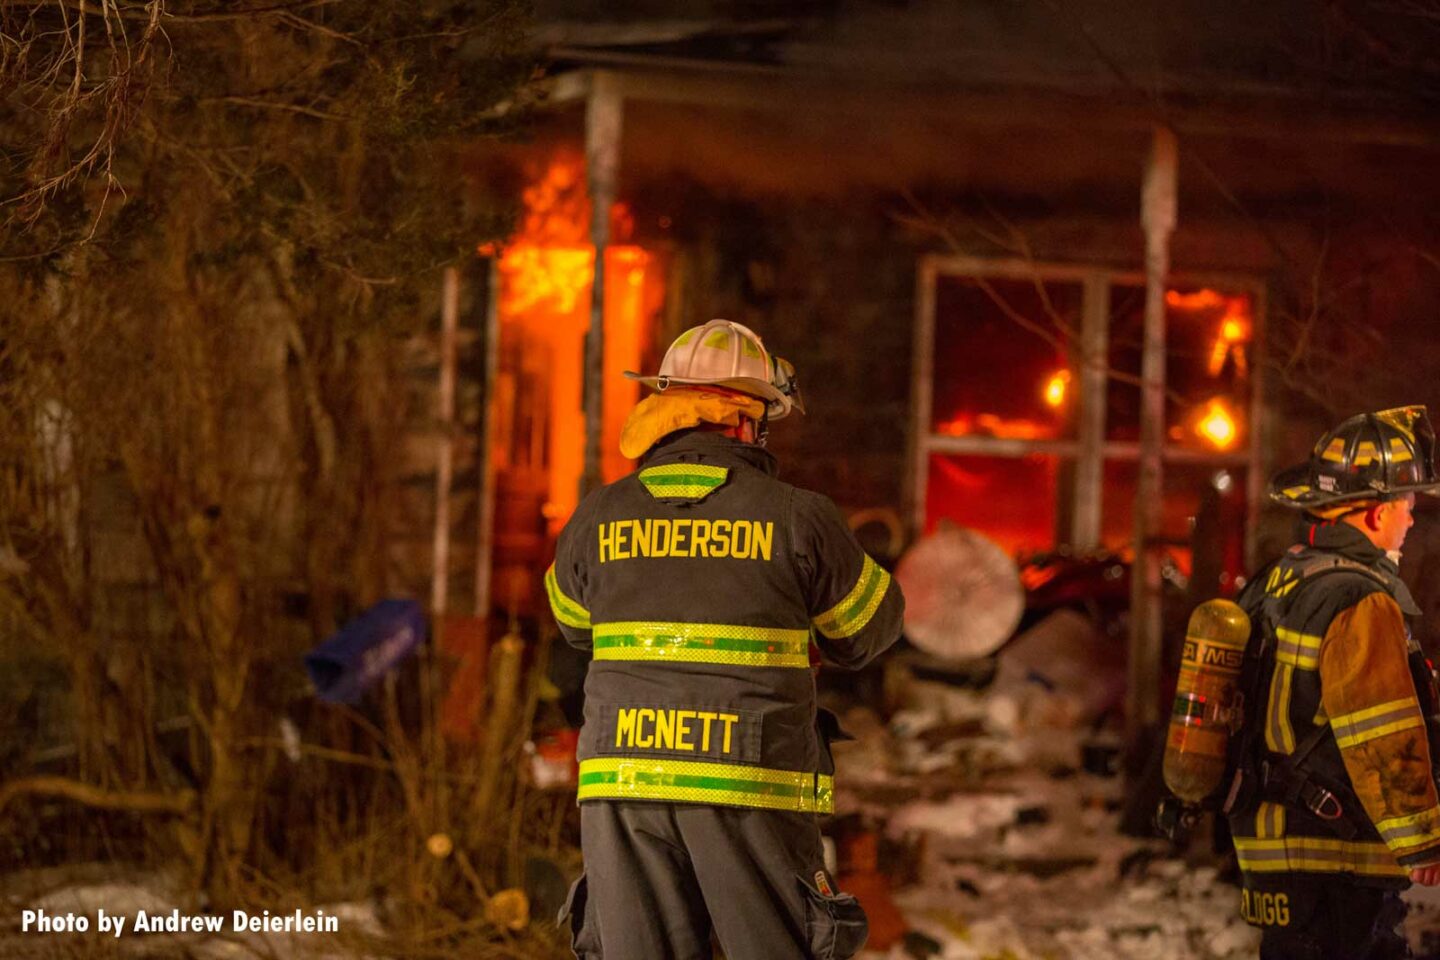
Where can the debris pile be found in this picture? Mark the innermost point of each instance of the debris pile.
(995, 796)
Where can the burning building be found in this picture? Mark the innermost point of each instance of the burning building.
(939, 218)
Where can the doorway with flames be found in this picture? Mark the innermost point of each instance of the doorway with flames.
(542, 284)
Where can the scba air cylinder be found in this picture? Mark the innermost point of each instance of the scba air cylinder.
(1205, 699)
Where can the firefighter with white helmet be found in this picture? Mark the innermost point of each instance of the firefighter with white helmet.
(697, 584)
(1333, 804)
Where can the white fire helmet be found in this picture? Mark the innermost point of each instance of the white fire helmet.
(727, 354)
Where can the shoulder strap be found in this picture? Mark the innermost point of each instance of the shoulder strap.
(1322, 565)
(1274, 608)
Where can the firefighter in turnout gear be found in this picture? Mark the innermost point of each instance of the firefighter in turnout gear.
(1334, 810)
(699, 584)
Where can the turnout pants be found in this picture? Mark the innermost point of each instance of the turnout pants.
(660, 878)
(1327, 918)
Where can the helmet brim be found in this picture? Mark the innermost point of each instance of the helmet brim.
(1292, 488)
(777, 403)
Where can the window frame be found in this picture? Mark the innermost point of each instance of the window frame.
(1089, 450)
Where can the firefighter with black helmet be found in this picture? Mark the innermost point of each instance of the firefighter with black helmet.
(700, 584)
(1334, 809)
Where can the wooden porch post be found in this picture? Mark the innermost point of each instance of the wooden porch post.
(1090, 464)
(445, 454)
(1157, 216)
(485, 530)
(603, 111)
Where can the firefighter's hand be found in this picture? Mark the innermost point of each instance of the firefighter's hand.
(1426, 876)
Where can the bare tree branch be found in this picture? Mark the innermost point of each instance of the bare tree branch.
(134, 801)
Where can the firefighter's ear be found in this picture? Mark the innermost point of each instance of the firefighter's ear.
(1372, 517)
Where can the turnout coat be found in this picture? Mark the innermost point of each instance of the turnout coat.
(1349, 701)
(699, 584)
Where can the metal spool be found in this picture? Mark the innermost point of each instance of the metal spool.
(963, 597)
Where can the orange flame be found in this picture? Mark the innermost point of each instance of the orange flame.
(1056, 388)
(1217, 425)
(1234, 329)
(547, 273)
(1196, 300)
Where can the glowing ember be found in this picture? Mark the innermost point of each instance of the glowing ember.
(1217, 425)
(1056, 388)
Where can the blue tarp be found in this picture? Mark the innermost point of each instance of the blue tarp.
(365, 649)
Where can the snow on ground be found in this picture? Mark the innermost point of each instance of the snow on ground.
(1034, 869)
(1019, 852)
(1013, 851)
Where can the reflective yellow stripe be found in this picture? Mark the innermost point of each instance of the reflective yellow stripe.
(1362, 726)
(1279, 735)
(1336, 450)
(567, 611)
(1317, 855)
(850, 615)
(689, 781)
(691, 481)
(1375, 733)
(703, 643)
(1297, 649)
(1415, 830)
(1370, 713)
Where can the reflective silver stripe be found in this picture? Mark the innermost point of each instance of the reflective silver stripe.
(1279, 735)
(1270, 821)
(1415, 830)
(1317, 855)
(1297, 649)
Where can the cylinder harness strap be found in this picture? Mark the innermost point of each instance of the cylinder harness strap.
(1284, 780)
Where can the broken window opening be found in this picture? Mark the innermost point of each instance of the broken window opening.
(1007, 400)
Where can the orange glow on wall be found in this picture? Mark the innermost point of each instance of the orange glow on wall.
(990, 425)
(1056, 388)
(1011, 500)
(1195, 300)
(1217, 425)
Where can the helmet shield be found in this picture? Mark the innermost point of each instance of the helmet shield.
(784, 379)
(1418, 470)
